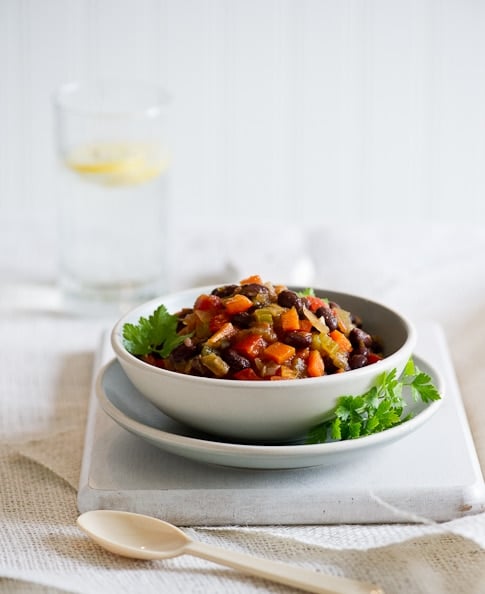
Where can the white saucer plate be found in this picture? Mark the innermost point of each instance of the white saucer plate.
(129, 409)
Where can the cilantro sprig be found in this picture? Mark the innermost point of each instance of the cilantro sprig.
(380, 408)
(155, 334)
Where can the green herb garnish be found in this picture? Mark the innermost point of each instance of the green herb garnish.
(156, 334)
(378, 409)
(306, 292)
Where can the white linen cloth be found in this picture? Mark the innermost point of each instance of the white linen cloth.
(46, 360)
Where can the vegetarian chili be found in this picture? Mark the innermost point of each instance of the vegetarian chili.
(256, 330)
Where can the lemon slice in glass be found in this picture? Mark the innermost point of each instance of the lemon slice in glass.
(117, 164)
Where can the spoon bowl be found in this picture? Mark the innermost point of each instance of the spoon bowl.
(134, 535)
(142, 537)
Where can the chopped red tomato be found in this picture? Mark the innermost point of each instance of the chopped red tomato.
(315, 302)
(246, 374)
(208, 303)
(373, 358)
(217, 321)
(250, 345)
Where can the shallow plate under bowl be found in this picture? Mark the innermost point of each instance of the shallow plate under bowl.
(132, 411)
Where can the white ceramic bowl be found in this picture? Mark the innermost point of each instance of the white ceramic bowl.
(264, 411)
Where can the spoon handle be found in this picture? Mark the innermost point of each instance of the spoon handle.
(298, 577)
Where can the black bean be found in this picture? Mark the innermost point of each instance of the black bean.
(242, 320)
(361, 349)
(299, 340)
(357, 337)
(329, 365)
(329, 317)
(235, 361)
(252, 289)
(184, 351)
(225, 291)
(356, 361)
(300, 305)
(288, 298)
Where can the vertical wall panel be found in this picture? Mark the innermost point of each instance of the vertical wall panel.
(14, 127)
(459, 174)
(284, 110)
(8, 119)
(334, 109)
(397, 97)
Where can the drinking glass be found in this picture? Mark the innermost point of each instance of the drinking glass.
(112, 142)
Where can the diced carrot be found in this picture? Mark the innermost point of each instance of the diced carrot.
(279, 352)
(290, 320)
(246, 374)
(315, 365)
(253, 279)
(305, 325)
(225, 332)
(237, 304)
(342, 341)
(315, 303)
(250, 345)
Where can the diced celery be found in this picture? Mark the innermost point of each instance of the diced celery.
(263, 316)
(215, 364)
(275, 309)
(328, 345)
(323, 343)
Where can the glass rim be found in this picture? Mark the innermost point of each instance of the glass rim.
(69, 90)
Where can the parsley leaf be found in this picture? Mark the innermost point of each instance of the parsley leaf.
(306, 292)
(155, 334)
(380, 408)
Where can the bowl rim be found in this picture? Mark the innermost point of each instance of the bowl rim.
(125, 356)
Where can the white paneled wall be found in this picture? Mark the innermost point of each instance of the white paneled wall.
(286, 110)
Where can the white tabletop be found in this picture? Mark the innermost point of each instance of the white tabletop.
(46, 363)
